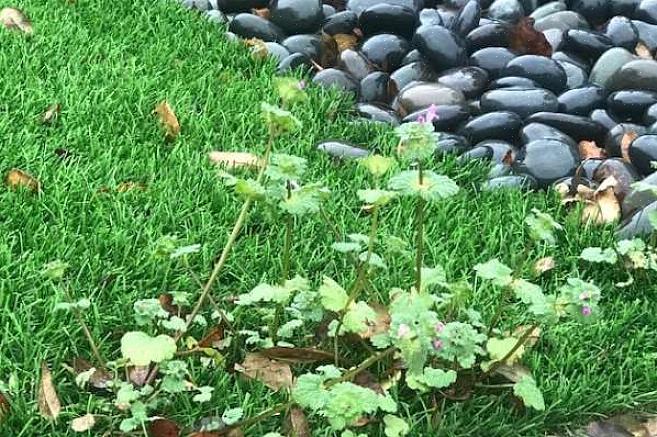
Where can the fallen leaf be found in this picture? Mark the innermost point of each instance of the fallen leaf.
(519, 331)
(5, 406)
(126, 186)
(51, 114)
(213, 339)
(368, 380)
(297, 424)
(138, 375)
(262, 13)
(642, 51)
(345, 41)
(624, 425)
(626, 141)
(234, 159)
(273, 374)
(49, 404)
(295, 355)
(525, 40)
(381, 323)
(17, 178)
(162, 427)
(544, 265)
(603, 208)
(258, 48)
(100, 379)
(590, 150)
(509, 158)
(166, 302)
(84, 423)
(13, 18)
(168, 118)
(513, 373)
(328, 51)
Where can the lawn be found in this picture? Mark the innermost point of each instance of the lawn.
(108, 65)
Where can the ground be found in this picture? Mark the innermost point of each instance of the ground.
(108, 66)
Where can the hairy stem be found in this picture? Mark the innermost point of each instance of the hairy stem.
(419, 242)
(85, 329)
(521, 341)
(351, 374)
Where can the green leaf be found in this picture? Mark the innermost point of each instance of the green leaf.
(204, 394)
(164, 246)
(438, 378)
(356, 318)
(279, 120)
(142, 349)
(333, 296)
(305, 200)
(175, 324)
(185, 250)
(531, 295)
(81, 305)
(309, 392)
(232, 415)
(250, 189)
(416, 141)
(542, 226)
(376, 197)
(433, 276)
(148, 311)
(395, 426)
(377, 165)
(347, 403)
(598, 255)
(290, 90)
(530, 394)
(287, 329)
(264, 293)
(387, 404)
(346, 247)
(359, 238)
(55, 270)
(625, 247)
(494, 271)
(285, 167)
(652, 219)
(434, 187)
(373, 259)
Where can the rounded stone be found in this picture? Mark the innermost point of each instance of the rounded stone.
(334, 78)
(442, 48)
(630, 105)
(471, 81)
(576, 127)
(492, 59)
(343, 22)
(640, 74)
(582, 101)
(385, 50)
(388, 18)
(500, 125)
(643, 151)
(540, 69)
(296, 16)
(420, 95)
(252, 26)
(523, 102)
(548, 161)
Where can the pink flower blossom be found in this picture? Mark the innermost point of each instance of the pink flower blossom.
(403, 331)
(439, 327)
(429, 115)
(586, 311)
(437, 344)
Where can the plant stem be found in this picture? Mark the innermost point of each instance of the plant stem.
(214, 304)
(498, 314)
(289, 226)
(331, 224)
(419, 242)
(264, 415)
(361, 367)
(85, 328)
(496, 365)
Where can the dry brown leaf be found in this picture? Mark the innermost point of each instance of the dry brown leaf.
(84, 423)
(544, 265)
(642, 51)
(49, 404)
(126, 186)
(262, 13)
(51, 114)
(214, 339)
(519, 331)
(625, 144)
(380, 324)
(295, 355)
(13, 18)
(162, 427)
(590, 150)
(298, 424)
(166, 302)
(604, 207)
(345, 41)
(258, 47)
(234, 159)
(513, 373)
(138, 375)
(525, 39)
(100, 379)
(168, 118)
(17, 178)
(328, 52)
(5, 406)
(624, 425)
(273, 374)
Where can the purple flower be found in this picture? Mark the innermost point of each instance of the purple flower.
(439, 327)
(403, 331)
(437, 344)
(586, 311)
(431, 114)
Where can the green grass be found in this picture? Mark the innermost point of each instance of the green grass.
(108, 65)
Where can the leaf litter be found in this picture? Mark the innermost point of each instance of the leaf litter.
(272, 373)
(15, 19)
(49, 404)
(168, 118)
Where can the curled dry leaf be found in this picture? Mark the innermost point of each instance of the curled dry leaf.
(262, 13)
(51, 114)
(273, 374)
(544, 265)
(100, 379)
(166, 302)
(49, 405)
(5, 406)
(162, 427)
(84, 423)
(626, 141)
(234, 159)
(519, 331)
(624, 425)
(589, 150)
(513, 373)
(168, 119)
(295, 355)
(126, 186)
(13, 18)
(214, 339)
(600, 206)
(17, 178)
(524, 39)
(138, 375)
(328, 51)
(297, 424)
(642, 51)
(345, 41)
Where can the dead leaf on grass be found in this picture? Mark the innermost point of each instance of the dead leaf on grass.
(12, 18)
(544, 265)
(624, 425)
(51, 114)
(138, 375)
(166, 302)
(99, 379)
(381, 324)
(297, 424)
(513, 373)
(84, 423)
(294, 355)
(49, 405)
(519, 331)
(17, 178)
(234, 159)
(590, 150)
(601, 206)
(626, 141)
(258, 48)
(642, 51)
(214, 339)
(273, 374)
(126, 186)
(168, 119)
(5, 406)
(162, 427)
